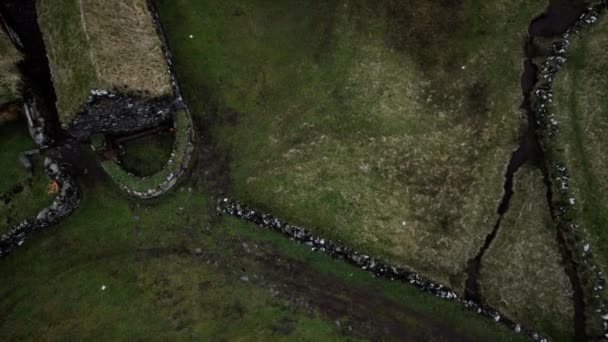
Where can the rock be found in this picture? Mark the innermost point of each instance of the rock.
(245, 278)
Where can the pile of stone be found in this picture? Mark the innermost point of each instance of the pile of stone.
(63, 205)
(367, 263)
(564, 200)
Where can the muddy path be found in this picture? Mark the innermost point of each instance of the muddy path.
(358, 312)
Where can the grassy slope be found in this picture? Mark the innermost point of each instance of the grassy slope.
(522, 272)
(581, 109)
(93, 44)
(14, 139)
(357, 120)
(9, 75)
(157, 287)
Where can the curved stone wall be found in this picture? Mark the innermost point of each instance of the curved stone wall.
(163, 181)
(160, 183)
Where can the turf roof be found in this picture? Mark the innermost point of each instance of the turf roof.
(94, 44)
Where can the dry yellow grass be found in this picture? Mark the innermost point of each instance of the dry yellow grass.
(10, 78)
(125, 49)
(94, 44)
(522, 273)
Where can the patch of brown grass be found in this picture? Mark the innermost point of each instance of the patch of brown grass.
(125, 49)
(10, 79)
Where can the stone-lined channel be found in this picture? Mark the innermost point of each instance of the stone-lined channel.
(591, 312)
(557, 19)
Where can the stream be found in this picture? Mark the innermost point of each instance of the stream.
(557, 18)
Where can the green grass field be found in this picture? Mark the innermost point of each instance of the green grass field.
(158, 284)
(383, 125)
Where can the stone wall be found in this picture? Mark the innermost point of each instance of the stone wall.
(63, 205)
(163, 181)
(368, 263)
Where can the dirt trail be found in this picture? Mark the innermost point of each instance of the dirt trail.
(358, 311)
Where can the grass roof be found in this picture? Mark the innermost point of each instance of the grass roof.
(10, 79)
(94, 44)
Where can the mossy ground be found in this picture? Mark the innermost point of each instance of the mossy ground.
(384, 126)
(147, 155)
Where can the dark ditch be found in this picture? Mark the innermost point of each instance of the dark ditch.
(558, 17)
(21, 17)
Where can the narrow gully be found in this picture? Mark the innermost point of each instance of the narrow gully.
(518, 158)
